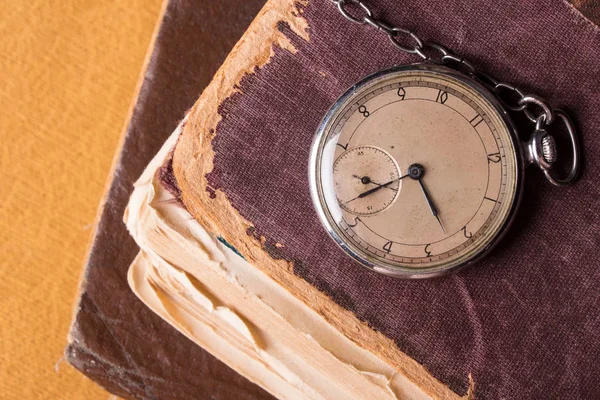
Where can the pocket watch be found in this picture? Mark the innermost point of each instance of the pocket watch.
(418, 170)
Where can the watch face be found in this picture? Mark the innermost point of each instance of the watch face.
(415, 171)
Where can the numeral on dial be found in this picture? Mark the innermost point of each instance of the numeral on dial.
(494, 158)
(401, 93)
(467, 235)
(476, 120)
(427, 251)
(388, 246)
(363, 110)
(442, 96)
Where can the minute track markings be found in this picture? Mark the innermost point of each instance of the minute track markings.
(364, 223)
(363, 100)
(460, 247)
(462, 244)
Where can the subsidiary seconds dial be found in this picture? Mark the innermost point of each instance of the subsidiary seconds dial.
(367, 180)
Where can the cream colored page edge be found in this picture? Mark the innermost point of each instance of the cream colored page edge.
(251, 323)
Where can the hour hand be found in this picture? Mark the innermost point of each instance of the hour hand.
(416, 172)
(432, 207)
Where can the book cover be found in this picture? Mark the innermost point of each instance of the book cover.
(533, 337)
(516, 321)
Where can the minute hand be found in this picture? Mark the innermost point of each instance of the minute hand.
(434, 210)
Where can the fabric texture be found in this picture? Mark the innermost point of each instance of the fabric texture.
(524, 321)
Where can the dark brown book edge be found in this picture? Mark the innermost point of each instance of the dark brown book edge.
(114, 339)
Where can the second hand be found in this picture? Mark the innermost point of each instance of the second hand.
(371, 191)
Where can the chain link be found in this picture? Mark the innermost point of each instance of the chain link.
(534, 107)
(512, 97)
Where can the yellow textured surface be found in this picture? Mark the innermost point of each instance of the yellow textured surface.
(68, 72)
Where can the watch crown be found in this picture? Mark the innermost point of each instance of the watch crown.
(549, 149)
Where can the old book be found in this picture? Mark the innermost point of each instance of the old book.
(522, 322)
(233, 255)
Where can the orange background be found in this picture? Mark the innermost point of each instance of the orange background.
(68, 73)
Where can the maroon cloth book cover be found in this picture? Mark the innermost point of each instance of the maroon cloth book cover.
(524, 320)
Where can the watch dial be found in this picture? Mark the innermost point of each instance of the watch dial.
(415, 172)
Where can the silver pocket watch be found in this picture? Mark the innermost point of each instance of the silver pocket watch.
(417, 170)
